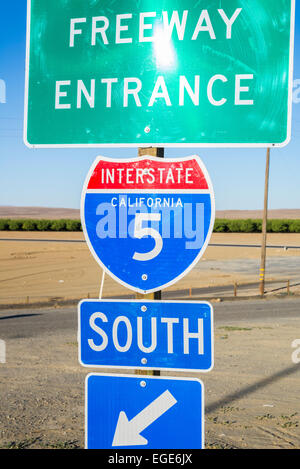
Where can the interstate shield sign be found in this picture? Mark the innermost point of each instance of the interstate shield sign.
(147, 220)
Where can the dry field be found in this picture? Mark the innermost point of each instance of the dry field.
(36, 271)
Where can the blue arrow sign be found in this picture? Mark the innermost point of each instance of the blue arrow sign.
(147, 220)
(128, 412)
(146, 334)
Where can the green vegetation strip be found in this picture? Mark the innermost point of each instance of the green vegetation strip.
(221, 225)
(254, 226)
(39, 225)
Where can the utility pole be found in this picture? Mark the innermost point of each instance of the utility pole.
(264, 228)
(159, 152)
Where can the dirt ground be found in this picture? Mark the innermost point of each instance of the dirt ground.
(38, 271)
(252, 395)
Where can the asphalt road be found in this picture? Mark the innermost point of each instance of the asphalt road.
(27, 323)
(269, 246)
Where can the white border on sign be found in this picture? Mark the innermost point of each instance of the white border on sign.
(166, 145)
(139, 367)
(144, 378)
(26, 92)
(152, 191)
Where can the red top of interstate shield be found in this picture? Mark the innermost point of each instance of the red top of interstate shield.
(148, 173)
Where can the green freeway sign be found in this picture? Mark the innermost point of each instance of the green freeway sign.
(152, 73)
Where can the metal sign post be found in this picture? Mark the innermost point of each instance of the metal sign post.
(160, 153)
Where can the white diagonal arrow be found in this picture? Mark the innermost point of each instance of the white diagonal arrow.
(128, 432)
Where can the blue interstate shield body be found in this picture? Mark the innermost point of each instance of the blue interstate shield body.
(126, 412)
(148, 229)
(182, 239)
(146, 334)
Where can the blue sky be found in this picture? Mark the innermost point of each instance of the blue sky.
(54, 177)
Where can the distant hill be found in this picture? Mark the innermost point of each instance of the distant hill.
(70, 213)
(39, 212)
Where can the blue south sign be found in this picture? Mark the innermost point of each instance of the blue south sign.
(169, 335)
